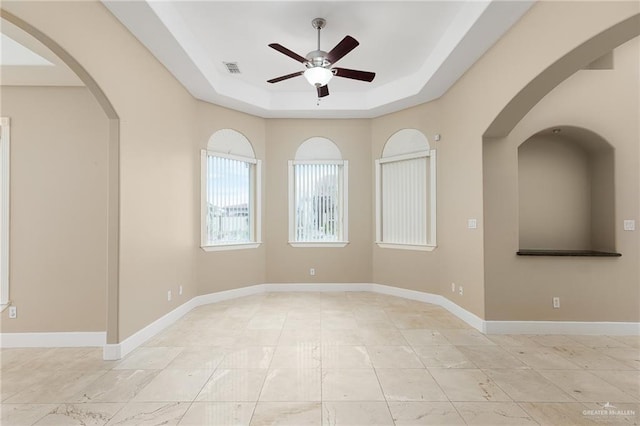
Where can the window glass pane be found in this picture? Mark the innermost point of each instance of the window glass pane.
(318, 209)
(229, 218)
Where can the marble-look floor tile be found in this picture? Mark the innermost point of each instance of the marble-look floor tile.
(542, 358)
(424, 413)
(409, 385)
(81, 414)
(599, 341)
(393, 357)
(554, 340)
(174, 385)
(493, 413)
(491, 357)
(527, 385)
(466, 337)
(590, 359)
(13, 381)
(116, 386)
(627, 381)
(149, 414)
(443, 356)
(24, 414)
(627, 356)
(468, 385)
(511, 340)
(289, 384)
(342, 337)
(350, 385)
(258, 338)
(287, 414)
(149, 358)
(422, 337)
(198, 358)
(356, 414)
(239, 384)
(300, 336)
(299, 356)
(218, 414)
(59, 386)
(558, 413)
(586, 387)
(248, 357)
(267, 322)
(382, 337)
(345, 357)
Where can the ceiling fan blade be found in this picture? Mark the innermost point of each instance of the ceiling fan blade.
(323, 91)
(354, 74)
(345, 46)
(280, 48)
(285, 77)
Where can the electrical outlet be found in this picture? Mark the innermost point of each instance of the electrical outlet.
(13, 312)
(556, 303)
(180, 291)
(629, 225)
(312, 271)
(169, 296)
(453, 287)
(472, 223)
(461, 291)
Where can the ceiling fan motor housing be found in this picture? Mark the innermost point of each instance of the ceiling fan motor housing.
(317, 58)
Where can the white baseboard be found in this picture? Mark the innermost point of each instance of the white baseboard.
(53, 340)
(120, 350)
(563, 327)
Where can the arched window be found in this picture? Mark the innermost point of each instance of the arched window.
(230, 193)
(318, 195)
(406, 193)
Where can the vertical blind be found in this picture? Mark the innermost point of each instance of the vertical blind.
(229, 214)
(318, 202)
(404, 201)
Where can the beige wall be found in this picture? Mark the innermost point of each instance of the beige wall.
(591, 289)
(554, 194)
(58, 228)
(286, 264)
(225, 270)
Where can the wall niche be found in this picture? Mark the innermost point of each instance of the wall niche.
(566, 193)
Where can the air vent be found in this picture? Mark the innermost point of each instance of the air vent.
(232, 67)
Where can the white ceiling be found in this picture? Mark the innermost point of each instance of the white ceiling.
(418, 49)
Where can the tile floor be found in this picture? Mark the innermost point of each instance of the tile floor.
(336, 359)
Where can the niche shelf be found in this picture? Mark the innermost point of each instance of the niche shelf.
(566, 194)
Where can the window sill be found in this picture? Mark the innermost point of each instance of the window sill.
(319, 244)
(406, 247)
(226, 247)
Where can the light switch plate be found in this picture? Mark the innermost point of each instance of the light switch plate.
(472, 223)
(629, 225)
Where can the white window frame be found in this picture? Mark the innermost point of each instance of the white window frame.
(344, 210)
(255, 203)
(5, 187)
(431, 228)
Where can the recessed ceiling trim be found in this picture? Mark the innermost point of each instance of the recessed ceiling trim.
(162, 28)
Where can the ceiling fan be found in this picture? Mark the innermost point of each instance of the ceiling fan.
(319, 63)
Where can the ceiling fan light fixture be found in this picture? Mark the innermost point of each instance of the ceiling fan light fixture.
(318, 76)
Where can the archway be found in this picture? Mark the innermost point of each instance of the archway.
(113, 196)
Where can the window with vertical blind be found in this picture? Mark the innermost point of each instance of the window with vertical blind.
(230, 193)
(405, 193)
(318, 196)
